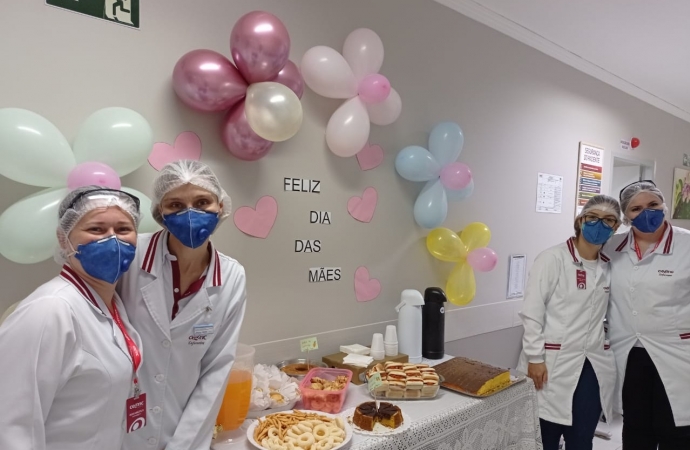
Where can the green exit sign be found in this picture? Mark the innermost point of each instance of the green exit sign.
(124, 12)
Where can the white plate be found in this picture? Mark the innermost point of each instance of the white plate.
(348, 429)
(264, 412)
(379, 430)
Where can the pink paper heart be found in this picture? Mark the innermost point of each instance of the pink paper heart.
(187, 146)
(370, 157)
(362, 208)
(366, 289)
(257, 222)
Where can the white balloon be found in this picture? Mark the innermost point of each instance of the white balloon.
(386, 112)
(118, 137)
(363, 50)
(347, 131)
(28, 227)
(273, 111)
(147, 224)
(327, 73)
(32, 150)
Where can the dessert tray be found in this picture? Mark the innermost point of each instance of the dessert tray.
(515, 378)
(379, 430)
(346, 440)
(382, 396)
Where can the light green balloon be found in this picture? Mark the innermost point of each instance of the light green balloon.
(147, 224)
(118, 137)
(32, 150)
(28, 227)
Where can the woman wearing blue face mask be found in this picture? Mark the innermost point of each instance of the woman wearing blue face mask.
(69, 355)
(565, 351)
(186, 300)
(650, 323)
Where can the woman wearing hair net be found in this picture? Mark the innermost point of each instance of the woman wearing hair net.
(649, 320)
(70, 355)
(186, 300)
(564, 346)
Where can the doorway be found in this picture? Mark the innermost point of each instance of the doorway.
(627, 169)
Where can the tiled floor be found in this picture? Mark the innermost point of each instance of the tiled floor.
(615, 428)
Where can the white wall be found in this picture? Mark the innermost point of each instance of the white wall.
(522, 113)
(623, 176)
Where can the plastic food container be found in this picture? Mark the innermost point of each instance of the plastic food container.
(320, 400)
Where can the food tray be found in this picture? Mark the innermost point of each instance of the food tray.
(383, 398)
(346, 441)
(515, 378)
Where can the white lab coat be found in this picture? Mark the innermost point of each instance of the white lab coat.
(184, 377)
(650, 301)
(67, 372)
(564, 324)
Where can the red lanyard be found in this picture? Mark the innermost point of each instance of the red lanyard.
(131, 345)
(637, 247)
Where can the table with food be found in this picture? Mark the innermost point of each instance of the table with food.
(448, 403)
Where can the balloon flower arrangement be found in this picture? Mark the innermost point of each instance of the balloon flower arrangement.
(261, 91)
(111, 142)
(468, 250)
(354, 75)
(446, 179)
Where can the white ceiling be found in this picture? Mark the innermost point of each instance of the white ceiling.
(639, 46)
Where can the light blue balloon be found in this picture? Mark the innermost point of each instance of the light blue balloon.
(431, 206)
(460, 194)
(415, 163)
(445, 142)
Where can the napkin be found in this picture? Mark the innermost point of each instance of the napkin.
(272, 388)
(358, 360)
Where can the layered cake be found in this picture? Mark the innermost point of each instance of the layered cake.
(472, 377)
(366, 415)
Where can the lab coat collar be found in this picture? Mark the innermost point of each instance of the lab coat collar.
(576, 256)
(72, 277)
(665, 246)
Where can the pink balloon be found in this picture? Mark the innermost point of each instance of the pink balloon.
(482, 259)
(456, 176)
(291, 78)
(374, 88)
(207, 81)
(260, 46)
(240, 139)
(93, 173)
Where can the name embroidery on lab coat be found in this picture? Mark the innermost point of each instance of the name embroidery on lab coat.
(581, 279)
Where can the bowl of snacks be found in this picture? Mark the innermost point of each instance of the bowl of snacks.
(325, 389)
(298, 368)
(272, 391)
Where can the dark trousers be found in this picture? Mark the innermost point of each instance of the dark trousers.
(586, 413)
(647, 416)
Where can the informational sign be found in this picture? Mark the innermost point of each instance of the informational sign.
(516, 276)
(309, 344)
(124, 12)
(625, 144)
(590, 170)
(549, 193)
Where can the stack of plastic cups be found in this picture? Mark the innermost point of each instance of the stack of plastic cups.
(390, 342)
(377, 350)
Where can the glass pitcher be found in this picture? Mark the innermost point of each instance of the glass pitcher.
(233, 410)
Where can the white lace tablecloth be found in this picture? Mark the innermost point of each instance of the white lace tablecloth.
(505, 421)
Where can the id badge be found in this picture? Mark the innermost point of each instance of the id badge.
(136, 413)
(203, 329)
(581, 279)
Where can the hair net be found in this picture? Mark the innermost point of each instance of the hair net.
(80, 201)
(183, 172)
(630, 192)
(602, 203)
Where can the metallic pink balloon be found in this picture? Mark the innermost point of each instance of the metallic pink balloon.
(291, 78)
(207, 81)
(260, 46)
(240, 139)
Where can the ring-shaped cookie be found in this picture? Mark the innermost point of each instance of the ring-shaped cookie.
(306, 440)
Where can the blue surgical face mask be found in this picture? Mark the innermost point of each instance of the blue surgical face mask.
(106, 259)
(192, 226)
(596, 233)
(649, 220)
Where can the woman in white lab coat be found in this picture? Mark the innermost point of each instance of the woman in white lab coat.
(564, 347)
(187, 301)
(649, 321)
(68, 352)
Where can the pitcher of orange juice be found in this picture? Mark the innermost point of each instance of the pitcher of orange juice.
(237, 395)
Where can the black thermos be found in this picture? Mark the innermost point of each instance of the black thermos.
(433, 323)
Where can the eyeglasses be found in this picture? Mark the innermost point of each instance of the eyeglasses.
(115, 192)
(620, 195)
(608, 221)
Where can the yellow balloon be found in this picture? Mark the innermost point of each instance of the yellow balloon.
(273, 111)
(445, 245)
(476, 235)
(461, 287)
